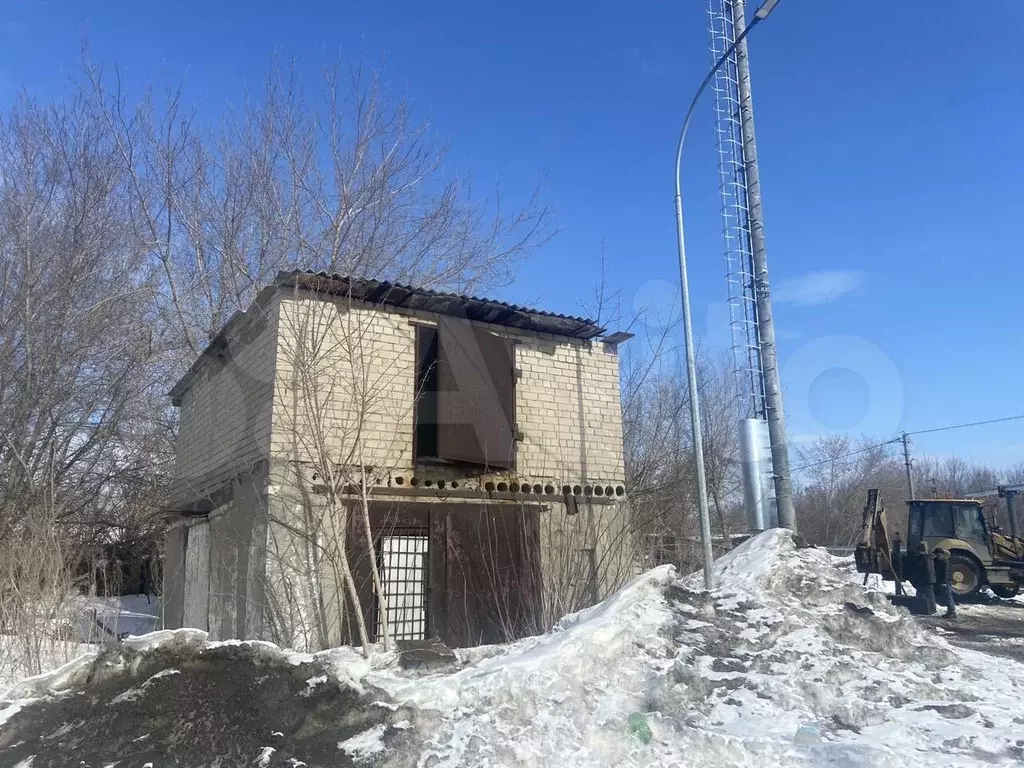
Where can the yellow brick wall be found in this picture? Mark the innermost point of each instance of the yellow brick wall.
(568, 408)
(345, 384)
(225, 415)
(346, 381)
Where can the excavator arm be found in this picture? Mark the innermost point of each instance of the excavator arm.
(873, 553)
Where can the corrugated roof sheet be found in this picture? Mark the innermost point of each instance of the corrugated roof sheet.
(387, 293)
(452, 304)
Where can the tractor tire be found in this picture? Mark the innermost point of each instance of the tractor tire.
(1005, 592)
(968, 576)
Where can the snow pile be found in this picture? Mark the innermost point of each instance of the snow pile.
(566, 694)
(80, 621)
(785, 643)
(787, 662)
(83, 668)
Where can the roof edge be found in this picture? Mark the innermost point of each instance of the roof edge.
(387, 293)
(220, 340)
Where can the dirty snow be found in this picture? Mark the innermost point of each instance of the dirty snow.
(727, 679)
(49, 652)
(364, 745)
(76, 672)
(132, 694)
(787, 642)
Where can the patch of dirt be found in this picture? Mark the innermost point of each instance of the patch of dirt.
(223, 706)
(951, 711)
(996, 628)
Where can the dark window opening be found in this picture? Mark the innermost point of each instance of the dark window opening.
(402, 563)
(465, 390)
(476, 397)
(425, 413)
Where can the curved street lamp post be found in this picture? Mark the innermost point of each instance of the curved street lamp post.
(691, 365)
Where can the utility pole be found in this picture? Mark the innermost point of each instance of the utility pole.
(907, 464)
(765, 324)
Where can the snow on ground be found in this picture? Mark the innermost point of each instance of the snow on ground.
(787, 662)
(44, 653)
(101, 619)
(82, 620)
(785, 641)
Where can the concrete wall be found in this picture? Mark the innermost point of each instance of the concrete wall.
(302, 567)
(584, 556)
(214, 569)
(196, 609)
(172, 601)
(360, 362)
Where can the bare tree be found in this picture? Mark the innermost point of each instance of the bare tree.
(952, 477)
(838, 471)
(76, 394)
(659, 457)
(344, 181)
(1014, 474)
(130, 233)
(341, 427)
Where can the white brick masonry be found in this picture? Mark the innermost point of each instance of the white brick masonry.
(225, 414)
(346, 388)
(311, 386)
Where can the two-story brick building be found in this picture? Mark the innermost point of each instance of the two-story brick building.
(479, 444)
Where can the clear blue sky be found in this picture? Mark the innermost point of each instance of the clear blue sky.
(888, 134)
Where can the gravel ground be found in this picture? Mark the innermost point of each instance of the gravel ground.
(990, 625)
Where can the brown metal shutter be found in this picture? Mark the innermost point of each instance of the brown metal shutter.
(476, 397)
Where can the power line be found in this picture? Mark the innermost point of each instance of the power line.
(969, 424)
(898, 439)
(846, 455)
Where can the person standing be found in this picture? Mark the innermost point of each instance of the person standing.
(896, 559)
(944, 581)
(927, 576)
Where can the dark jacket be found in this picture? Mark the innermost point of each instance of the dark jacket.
(943, 573)
(926, 567)
(897, 557)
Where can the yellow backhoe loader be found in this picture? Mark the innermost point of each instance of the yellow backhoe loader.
(980, 553)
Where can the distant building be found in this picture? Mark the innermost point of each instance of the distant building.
(482, 440)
